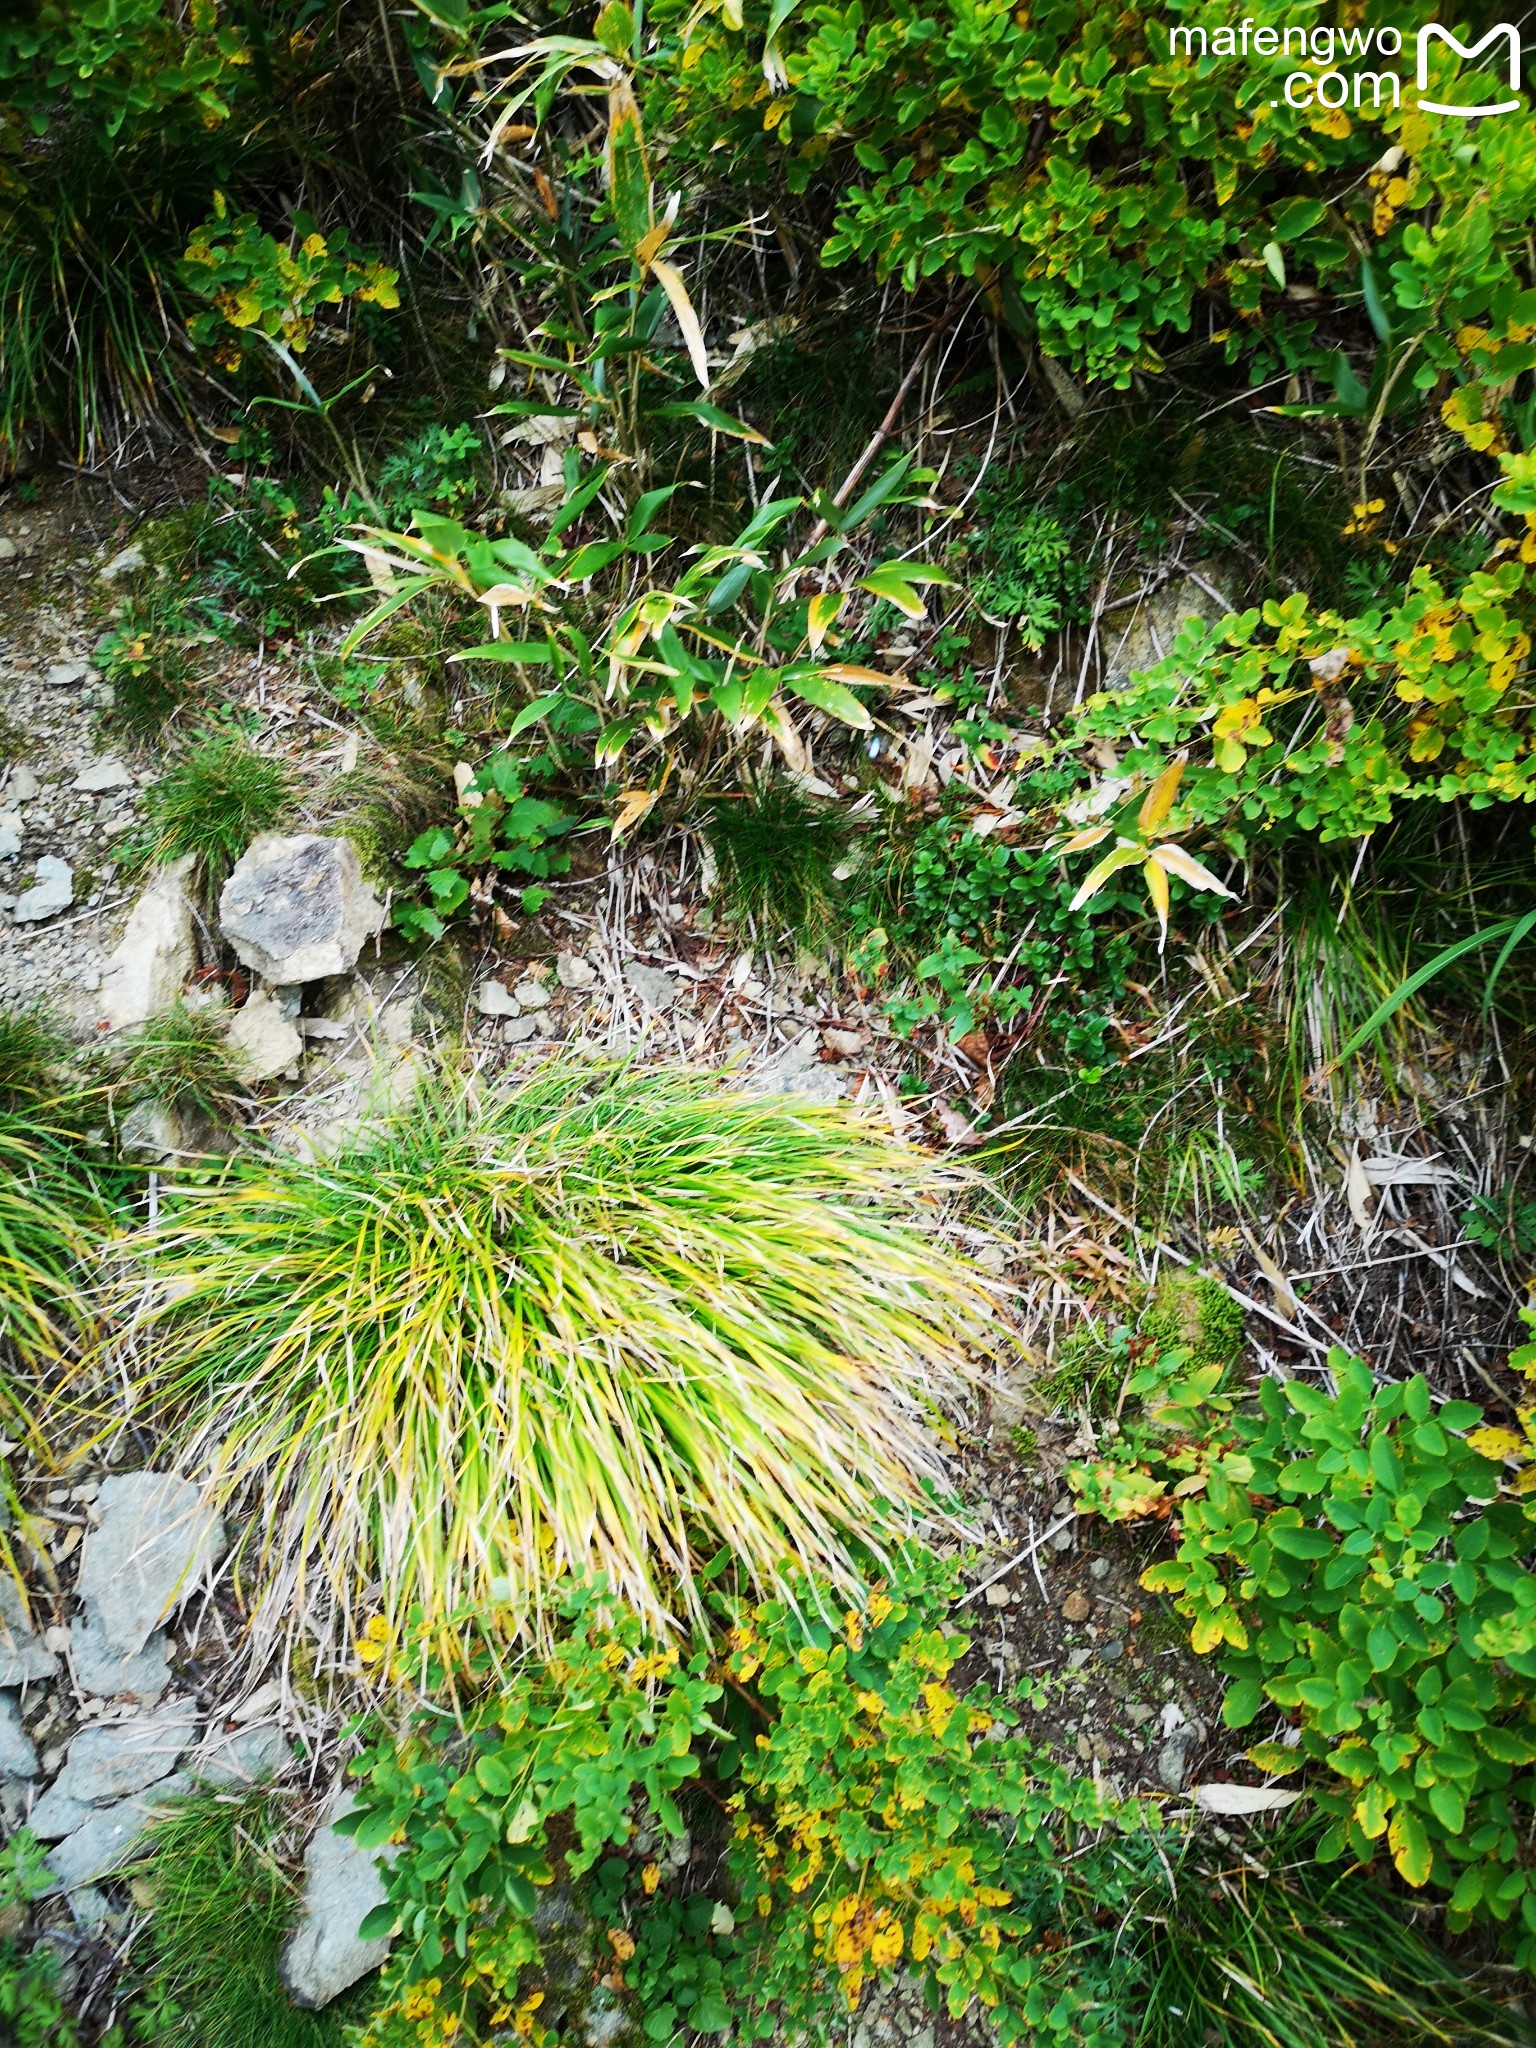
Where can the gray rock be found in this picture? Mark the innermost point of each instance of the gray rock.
(518, 1030)
(8, 548)
(23, 1657)
(63, 675)
(127, 562)
(1155, 624)
(105, 1673)
(249, 1756)
(18, 1758)
(56, 1815)
(53, 891)
(531, 995)
(656, 990)
(573, 971)
(323, 1953)
(155, 1540)
(298, 909)
(158, 951)
(111, 1836)
(495, 999)
(799, 1070)
(91, 1909)
(113, 1758)
(152, 1133)
(100, 776)
(10, 834)
(1173, 1759)
(265, 1041)
(22, 786)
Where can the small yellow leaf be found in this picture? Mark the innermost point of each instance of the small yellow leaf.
(1158, 801)
(1188, 869)
(672, 284)
(1156, 879)
(634, 804)
(822, 612)
(1496, 1443)
(1094, 835)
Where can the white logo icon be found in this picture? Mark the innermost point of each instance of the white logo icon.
(1469, 51)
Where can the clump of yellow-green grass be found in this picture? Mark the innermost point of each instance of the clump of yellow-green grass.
(51, 1212)
(618, 1322)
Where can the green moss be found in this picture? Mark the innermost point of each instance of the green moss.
(1194, 1314)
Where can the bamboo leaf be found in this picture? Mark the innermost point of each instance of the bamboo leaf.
(672, 284)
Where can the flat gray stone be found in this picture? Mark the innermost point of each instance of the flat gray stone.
(63, 675)
(18, 1757)
(112, 1835)
(656, 990)
(23, 1657)
(298, 909)
(151, 1133)
(113, 1758)
(531, 995)
(22, 786)
(53, 891)
(263, 1039)
(518, 1030)
(154, 1543)
(323, 1953)
(158, 951)
(56, 1815)
(99, 776)
(10, 834)
(495, 999)
(249, 1756)
(106, 1674)
(127, 562)
(799, 1070)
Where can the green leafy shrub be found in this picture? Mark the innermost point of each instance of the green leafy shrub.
(1096, 183)
(439, 468)
(983, 927)
(1034, 575)
(607, 1322)
(144, 658)
(502, 827)
(1385, 1606)
(31, 2004)
(214, 801)
(868, 1815)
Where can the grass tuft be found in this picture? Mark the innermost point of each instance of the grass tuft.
(775, 849)
(179, 1058)
(215, 801)
(608, 1323)
(1301, 1955)
(222, 1903)
(32, 1047)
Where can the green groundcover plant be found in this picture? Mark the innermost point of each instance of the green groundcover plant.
(1351, 1558)
(858, 1811)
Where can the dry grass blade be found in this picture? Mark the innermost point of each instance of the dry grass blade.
(609, 1323)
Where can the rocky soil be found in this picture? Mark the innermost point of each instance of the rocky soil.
(123, 1676)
